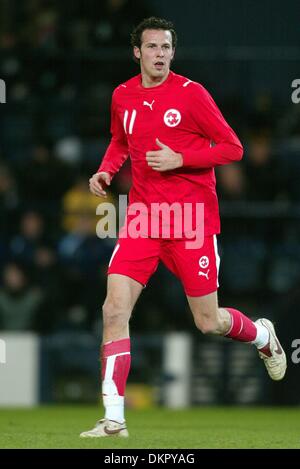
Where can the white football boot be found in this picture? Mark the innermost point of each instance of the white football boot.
(273, 354)
(105, 427)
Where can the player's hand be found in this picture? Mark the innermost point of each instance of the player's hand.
(164, 159)
(98, 182)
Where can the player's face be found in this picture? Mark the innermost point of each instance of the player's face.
(155, 55)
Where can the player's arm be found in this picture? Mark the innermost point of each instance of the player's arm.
(211, 124)
(226, 146)
(115, 155)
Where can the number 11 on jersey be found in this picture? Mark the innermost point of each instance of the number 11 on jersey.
(131, 121)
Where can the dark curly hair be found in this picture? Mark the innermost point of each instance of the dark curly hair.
(152, 23)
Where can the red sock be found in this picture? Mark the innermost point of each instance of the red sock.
(242, 328)
(115, 360)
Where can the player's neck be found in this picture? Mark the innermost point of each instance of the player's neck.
(150, 82)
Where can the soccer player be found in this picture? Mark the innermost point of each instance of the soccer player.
(175, 136)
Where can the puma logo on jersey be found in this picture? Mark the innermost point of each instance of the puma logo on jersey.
(204, 274)
(145, 103)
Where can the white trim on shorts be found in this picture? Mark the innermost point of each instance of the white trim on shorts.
(217, 258)
(113, 254)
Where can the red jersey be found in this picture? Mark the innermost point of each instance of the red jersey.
(182, 115)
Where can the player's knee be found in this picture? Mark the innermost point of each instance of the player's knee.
(115, 312)
(113, 318)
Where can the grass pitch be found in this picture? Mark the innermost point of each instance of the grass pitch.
(217, 427)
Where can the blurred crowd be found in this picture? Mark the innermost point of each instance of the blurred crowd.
(54, 129)
(81, 25)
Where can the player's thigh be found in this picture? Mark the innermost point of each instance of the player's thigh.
(204, 307)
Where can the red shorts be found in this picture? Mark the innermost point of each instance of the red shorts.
(196, 268)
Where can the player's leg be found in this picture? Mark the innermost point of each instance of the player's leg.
(231, 323)
(198, 272)
(122, 294)
(131, 265)
(210, 319)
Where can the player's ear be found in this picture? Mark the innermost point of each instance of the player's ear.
(136, 52)
(173, 53)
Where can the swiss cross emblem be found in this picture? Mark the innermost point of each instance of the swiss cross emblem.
(172, 117)
(204, 262)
